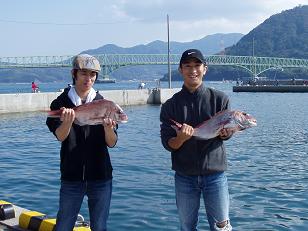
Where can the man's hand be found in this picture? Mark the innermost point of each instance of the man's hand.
(67, 117)
(110, 136)
(183, 134)
(108, 123)
(225, 133)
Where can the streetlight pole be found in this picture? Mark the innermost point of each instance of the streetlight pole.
(169, 66)
(254, 59)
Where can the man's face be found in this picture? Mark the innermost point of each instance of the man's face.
(85, 79)
(192, 71)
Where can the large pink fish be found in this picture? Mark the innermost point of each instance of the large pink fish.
(234, 120)
(94, 112)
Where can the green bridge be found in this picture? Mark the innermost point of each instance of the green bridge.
(110, 62)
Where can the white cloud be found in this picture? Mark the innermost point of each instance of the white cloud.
(124, 22)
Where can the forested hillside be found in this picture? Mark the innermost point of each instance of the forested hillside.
(281, 35)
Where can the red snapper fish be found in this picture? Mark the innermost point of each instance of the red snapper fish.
(94, 112)
(234, 120)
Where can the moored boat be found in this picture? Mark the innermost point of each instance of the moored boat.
(105, 81)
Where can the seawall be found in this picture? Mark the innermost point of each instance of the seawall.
(29, 102)
(269, 88)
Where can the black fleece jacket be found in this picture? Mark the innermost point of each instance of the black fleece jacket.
(195, 156)
(84, 153)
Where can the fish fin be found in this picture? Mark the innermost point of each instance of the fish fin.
(122, 121)
(241, 127)
(176, 124)
(82, 123)
(175, 127)
(99, 120)
(78, 123)
(207, 121)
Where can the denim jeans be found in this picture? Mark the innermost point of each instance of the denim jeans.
(71, 197)
(214, 188)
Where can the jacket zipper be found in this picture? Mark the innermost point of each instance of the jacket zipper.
(83, 172)
(196, 114)
(84, 160)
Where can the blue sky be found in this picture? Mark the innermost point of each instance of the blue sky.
(67, 27)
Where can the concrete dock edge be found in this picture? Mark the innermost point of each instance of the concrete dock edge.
(270, 88)
(30, 102)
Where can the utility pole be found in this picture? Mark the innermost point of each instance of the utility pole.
(169, 66)
(254, 59)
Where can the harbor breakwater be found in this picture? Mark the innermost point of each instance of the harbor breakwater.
(28, 102)
(271, 88)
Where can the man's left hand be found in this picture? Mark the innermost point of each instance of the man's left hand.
(225, 133)
(108, 123)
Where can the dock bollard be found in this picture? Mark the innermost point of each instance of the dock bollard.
(6, 210)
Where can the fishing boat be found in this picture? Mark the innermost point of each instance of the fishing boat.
(265, 85)
(105, 81)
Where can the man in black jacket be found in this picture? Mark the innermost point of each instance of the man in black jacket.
(85, 163)
(199, 165)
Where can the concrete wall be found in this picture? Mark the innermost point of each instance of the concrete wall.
(271, 82)
(280, 88)
(10, 103)
(26, 102)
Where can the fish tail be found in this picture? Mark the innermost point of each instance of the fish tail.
(54, 113)
(175, 127)
(177, 124)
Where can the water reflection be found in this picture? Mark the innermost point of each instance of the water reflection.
(267, 173)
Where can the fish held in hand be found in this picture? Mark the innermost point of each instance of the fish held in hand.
(233, 120)
(94, 112)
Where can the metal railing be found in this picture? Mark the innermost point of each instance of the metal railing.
(110, 62)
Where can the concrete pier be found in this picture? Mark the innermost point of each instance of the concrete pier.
(27, 102)
(271, 88)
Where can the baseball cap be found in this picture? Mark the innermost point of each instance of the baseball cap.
(192, 53)
(86, 62)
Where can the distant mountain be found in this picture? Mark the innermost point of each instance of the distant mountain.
(210, 44)
(282, 35)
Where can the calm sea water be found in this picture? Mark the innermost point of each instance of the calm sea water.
(268, 177)
(6, 88)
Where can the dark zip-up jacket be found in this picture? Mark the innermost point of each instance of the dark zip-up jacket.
(195, 156)
(84, 153)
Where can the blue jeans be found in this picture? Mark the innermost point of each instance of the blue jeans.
(71, 197)
(214, 188)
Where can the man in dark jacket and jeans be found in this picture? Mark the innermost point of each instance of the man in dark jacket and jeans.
(85, 163)
(199, 165)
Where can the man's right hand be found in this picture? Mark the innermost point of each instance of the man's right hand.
(183, 134)
(67, 115)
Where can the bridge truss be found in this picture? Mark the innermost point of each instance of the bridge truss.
(110, 62)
